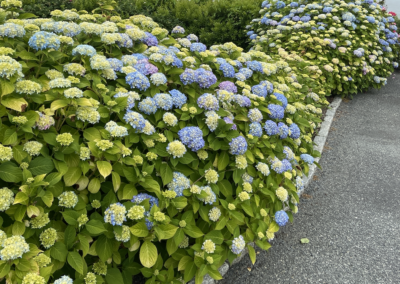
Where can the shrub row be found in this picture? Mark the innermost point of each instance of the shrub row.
(125, 150)
(354, 43)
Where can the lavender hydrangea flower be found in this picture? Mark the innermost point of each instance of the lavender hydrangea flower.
(228, 86)
(208, 102)
(150, 39)
(230, 121)
(242, 101)
(205, 78)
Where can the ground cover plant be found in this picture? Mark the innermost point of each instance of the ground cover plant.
(353, 42)
(127, 149)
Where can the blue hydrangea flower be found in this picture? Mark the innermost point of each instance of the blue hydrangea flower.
(255, 66)
(281, 218)
(282, 99)
(188, 76)
(115, 63)
(137, 80)
(227, 70)
(271, 128)
(146, 68)
(259, 90)
(307, 158)
(84, 49)
(246, 72)
(287, 165)
(238, 146)
(11, 30)
(148, 106)
(205, 78)
(163, 101)
(135, 119)
(277, 111)
(280, 5)
(299, 184)
(125, 41)
(192, 136)
(283, 130)
(199, 47)
(208, 102)
(137, 199)
(179, 183)
(294, 131)
(247, 178)
(44, 40)
(178, 99)
(255, 129)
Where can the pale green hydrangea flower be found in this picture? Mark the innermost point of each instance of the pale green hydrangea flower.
(48, 237)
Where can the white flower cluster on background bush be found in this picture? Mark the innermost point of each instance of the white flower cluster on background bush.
(355, 43)
(126, 151)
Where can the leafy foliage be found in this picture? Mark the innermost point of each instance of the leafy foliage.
(354, 43)
(126, 151)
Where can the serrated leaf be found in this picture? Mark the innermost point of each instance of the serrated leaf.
(75, 260)
(41, 165)
(148, 254)
(104, 168)
(95, 227)
(59, 251)
(104, 247)
(9, 172)
(168, 231)
(139, 230)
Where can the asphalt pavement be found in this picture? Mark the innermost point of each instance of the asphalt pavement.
(351, 213)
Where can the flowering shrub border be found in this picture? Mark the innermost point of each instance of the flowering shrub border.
(354, 43)
(126, 151)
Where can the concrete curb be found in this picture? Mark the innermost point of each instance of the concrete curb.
(319, 141)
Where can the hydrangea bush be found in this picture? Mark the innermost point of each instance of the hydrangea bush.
(354, 43)
(125, 150)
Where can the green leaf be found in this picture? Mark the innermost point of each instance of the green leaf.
(75, 260)
(94, 185)
(95, 227)
(92, 134)
(151, 185)
(305, 241)
(9, 172)
(179, 202)
(114, 276)
(71, 216)
(18, 104)
(59, 251)
(21, 197)
(6, 87)
(4, 269)
(26, 16)
(215, 236)
(59, 104)
(104, 168)
(41, 165)
(246, 206)
(223, 160)
(190, 271)
(183, 262)
(148, 254)
(273, 227)
(128, 191)
(25, 55)
(225, 187)
(116, 180)
(166, 173)
(252, 254)
(69, 235)
(10, 137)
(18, 228)
(104, 247)
(168, 231)
(72, 176)
(48, 198)
(193, 231)
(139, 230)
